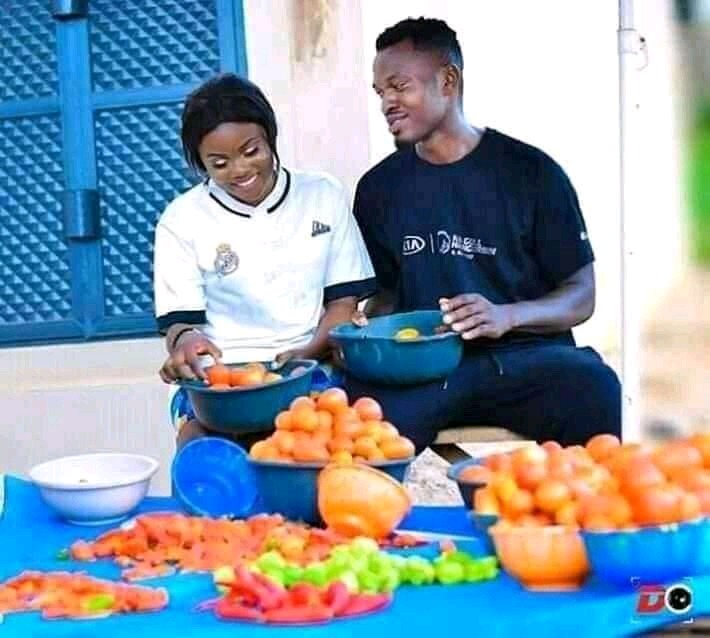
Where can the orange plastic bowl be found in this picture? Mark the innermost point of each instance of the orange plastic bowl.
(358, 500)
(549, 558)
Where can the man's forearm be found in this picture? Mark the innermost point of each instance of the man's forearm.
(569, 305)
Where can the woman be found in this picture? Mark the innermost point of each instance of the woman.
(255, 263)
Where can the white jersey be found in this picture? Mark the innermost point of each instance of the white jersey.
(256, 277)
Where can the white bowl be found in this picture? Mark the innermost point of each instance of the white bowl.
(94, 489)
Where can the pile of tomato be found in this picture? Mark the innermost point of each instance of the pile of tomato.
(604, 485)
(328, 429)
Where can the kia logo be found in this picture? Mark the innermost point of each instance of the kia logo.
(412, 244)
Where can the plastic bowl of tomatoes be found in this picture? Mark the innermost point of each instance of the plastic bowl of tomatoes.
(469, 475)
(400, 349)
(247, 398)
(641, 512)
(649, 555)
(314, 432)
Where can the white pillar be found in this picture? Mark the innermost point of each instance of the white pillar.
(631, 59)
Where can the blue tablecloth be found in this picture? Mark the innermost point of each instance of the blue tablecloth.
(31, 535)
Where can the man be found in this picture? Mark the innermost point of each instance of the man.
(489, 230)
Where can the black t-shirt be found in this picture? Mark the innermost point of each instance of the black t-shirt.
(504, 221)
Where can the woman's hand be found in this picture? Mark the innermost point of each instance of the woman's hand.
(184, 360)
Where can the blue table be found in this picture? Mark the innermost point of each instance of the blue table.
(31, 535)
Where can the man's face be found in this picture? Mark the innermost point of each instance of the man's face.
(410, 86)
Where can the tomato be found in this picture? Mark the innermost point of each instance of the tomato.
(701, 442)
(475, 474)
(703, 495)
(568, 514)
(303, 402)
(333, 400)
(551, 494)
(485, 501)
(304, 418)
(498, 462)
(601, 446)
(283, 421)
(689, 507)
(399, 448)
(529, 474)
(218, 374)
(521, 502)
(692, 478)
(504, 486)
(657, 504)
(368, 409)
(551, 447)
(677, 456)
(639, 474)
(559, 466)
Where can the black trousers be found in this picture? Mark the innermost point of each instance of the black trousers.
(541, 391)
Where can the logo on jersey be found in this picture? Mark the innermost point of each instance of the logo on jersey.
(319, 228)
(444, 243)
(412, 244)
(226, 261)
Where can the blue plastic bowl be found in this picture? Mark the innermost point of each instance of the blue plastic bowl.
(481, 524)
(373, 354)
(211, 477)
(291, 489)
(649, 555)
(466, 488)
(250, 409)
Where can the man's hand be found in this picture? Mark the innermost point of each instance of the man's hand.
(473, 316)
(283, 358)
(359, 318)
(184, 361)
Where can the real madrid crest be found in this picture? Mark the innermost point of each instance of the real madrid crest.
(226, 261)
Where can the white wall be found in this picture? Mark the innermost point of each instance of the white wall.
(547, 72)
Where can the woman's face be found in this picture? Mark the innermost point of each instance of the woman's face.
(237, 157)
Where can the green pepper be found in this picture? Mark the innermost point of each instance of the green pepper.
(449, 573)
(99, 602)
(316, 574)
(63, 554)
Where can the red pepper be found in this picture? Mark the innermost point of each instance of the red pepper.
(365, 603)
(337, 597)
(299, 614)
(303, 594)
(228, 609)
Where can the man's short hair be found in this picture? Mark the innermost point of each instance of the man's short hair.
(425, 34)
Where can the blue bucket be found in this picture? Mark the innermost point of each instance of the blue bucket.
(212, 477)
(291, 489)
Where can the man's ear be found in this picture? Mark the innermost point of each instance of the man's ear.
(451, 80)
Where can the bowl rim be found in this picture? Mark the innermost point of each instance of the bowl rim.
(336, 331)
(204, 388)
(319, 465)
(665, 527)
(146, 474)
(552, 530)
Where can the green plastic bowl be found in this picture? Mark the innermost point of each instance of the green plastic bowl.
(250, 409)
(374, 354)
